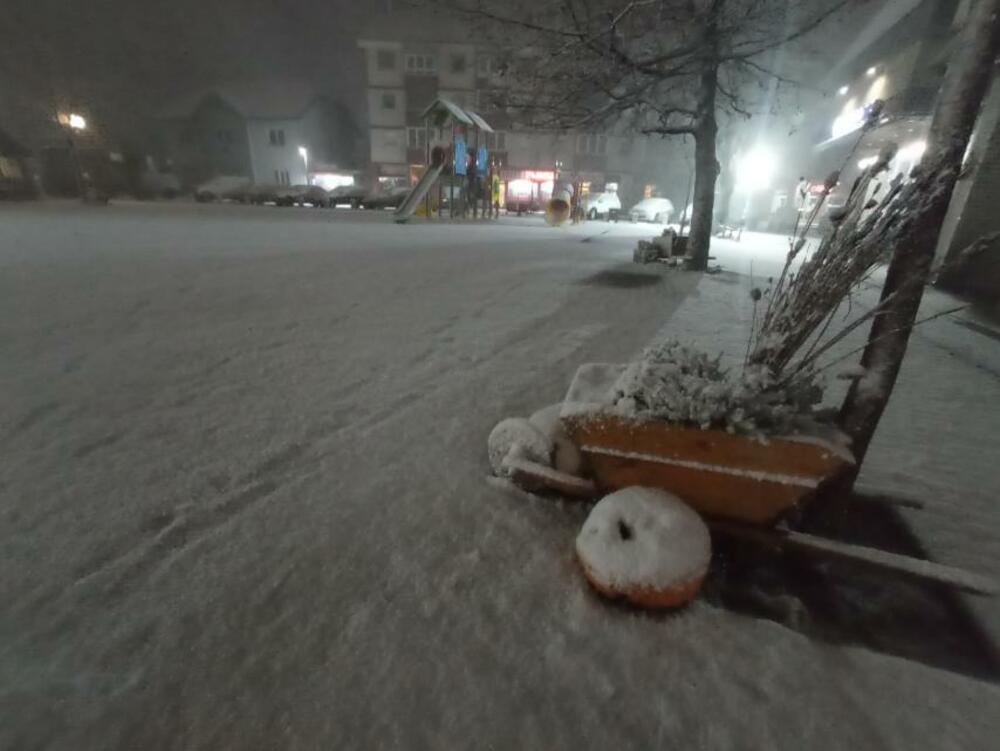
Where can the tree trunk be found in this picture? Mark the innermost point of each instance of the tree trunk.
(706, 167)
(964, 86)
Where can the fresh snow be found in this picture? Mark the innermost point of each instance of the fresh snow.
(243, 505)
(591, 389)
(566, 456)
(517, 438)
(644, 538)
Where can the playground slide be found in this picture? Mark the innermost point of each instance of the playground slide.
(419, 192)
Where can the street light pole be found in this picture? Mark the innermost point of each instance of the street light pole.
(73, 122)
(304, 153)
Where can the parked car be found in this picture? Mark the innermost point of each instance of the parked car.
(601, 205)
(264, 193)
(656, 210)
(391, 198)
(303, 195)
(347, 195)
(160, 184)
(223, 188)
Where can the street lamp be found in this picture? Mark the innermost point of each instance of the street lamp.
(755, 169)
(304, 153)
(71, 121)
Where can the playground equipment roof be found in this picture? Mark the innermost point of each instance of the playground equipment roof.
(444, 111)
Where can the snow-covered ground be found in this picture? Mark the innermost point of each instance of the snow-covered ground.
(244, 500)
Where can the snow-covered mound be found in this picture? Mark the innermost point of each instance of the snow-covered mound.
(567, 457)
(518, 438)
(645, 545)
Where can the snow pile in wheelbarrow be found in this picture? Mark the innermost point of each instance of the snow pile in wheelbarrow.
(682, 385)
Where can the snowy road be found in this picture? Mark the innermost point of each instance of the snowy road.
(244, 503)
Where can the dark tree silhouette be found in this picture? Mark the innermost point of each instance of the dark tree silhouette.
(667, 67)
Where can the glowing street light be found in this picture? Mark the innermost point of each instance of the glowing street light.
(871, 72)
(842, 90)
(304, 153)
(72, 120)
(755, 169)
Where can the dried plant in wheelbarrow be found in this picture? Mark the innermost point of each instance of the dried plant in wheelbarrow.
(751, 444)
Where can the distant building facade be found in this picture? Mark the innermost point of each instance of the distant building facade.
(411, 60)
(272, 133)
(901, 58)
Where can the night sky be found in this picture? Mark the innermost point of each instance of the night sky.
(121, 58)
(118, 61)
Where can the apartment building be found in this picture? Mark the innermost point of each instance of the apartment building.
(412, 58)
(901, 58)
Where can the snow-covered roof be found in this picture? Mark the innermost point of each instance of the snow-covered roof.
(257, 100)
(442, 111)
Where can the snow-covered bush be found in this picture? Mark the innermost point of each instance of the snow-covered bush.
(683, 385)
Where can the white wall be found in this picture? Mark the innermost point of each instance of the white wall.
(378, 115)
(268, 158)
(388, 145)
(376, 77)
(315, 136)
